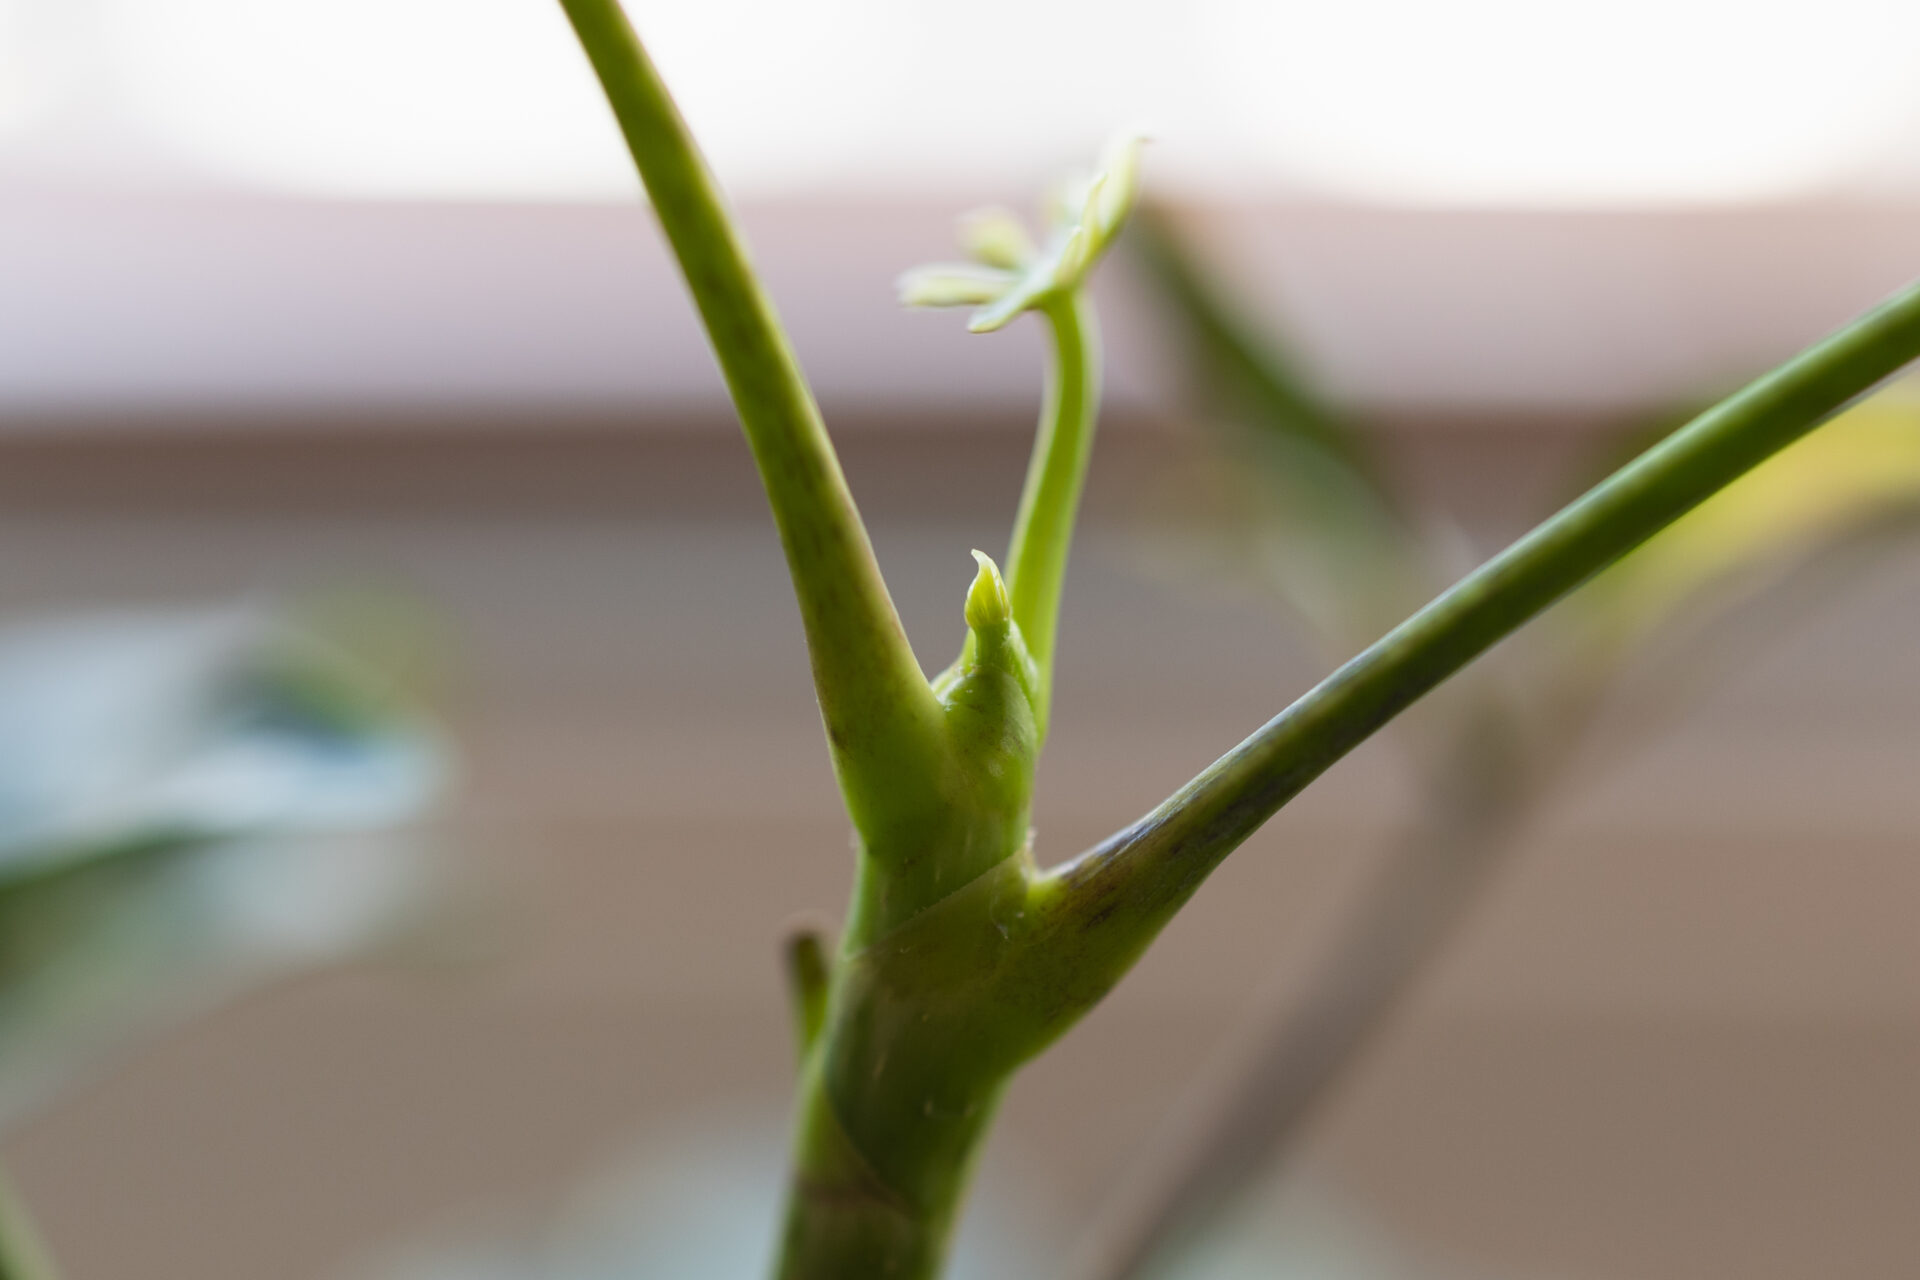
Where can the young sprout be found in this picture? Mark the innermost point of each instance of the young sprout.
(1009, 274)
(961, 958)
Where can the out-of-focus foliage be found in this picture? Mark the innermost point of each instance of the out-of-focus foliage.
(1314, 515)
(188, 803)
(1314, 520)
(1347, 552)
(1831, 485)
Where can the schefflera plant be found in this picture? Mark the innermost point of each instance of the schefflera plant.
(961, 957)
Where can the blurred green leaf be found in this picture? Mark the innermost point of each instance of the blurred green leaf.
(1328, 534)
(188, 804)
(1243, 370)
(1857, 470)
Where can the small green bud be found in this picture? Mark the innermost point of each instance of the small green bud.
(994, 641)
(988, 606)
(989, 699)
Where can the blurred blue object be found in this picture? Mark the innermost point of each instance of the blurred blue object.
(189, 803)
(698, 1206)
(1303, 1227)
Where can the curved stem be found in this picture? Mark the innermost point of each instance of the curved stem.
(883, 722)
(1043, 529)
(1113, 899)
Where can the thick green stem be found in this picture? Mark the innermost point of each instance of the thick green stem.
(883, 722)
(1106, 905)
(845, 1221)
(1043, 529)
(901, 1085)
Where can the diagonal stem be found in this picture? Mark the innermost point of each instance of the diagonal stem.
(1249, 1109)
(1117, 896)
(883, 722)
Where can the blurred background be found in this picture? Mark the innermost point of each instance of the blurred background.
(416, 760)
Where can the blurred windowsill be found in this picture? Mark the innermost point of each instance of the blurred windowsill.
(154, 309)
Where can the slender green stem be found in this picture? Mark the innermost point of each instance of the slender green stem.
(1240, 1119)
(1113, 899)
(1043, 529)
(883, 722)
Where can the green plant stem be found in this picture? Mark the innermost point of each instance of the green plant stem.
(1043, 529)
(883, 722)
(1110, 902)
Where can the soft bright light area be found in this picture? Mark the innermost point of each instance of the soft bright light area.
(368, 97)
(1525, 102)
(35, 57)
(1470, 101)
